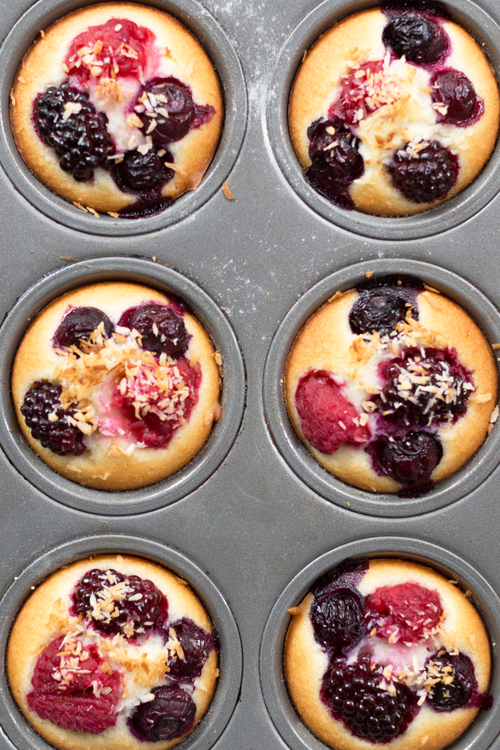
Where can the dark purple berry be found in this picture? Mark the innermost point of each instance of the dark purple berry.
(169, 716)
(457, 694)
(423, 386)
(173, 106)
(456, 93)
(81, 141)
(418, 37)
(426, 175)
(337, 618)
(131, 615)
(378, 310)
(353, 694)
(79, 324)
(59, 436)
(410, 459)
(196, 645)
(143, 172)
(160, 327)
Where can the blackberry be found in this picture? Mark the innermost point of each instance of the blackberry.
(337, 619)
(417, 36)
(173, 106)
(59, 436)
(134, 614)
(139, 173)
(353, 694)
(79, 324)
(457, 93)
(410, 459)
(426, 177)
(81, 140)
(170, 715)
(160, 327)
(457, 694)
(196, 645)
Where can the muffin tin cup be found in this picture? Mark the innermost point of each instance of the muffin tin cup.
(485, 727)
(223, 433)
(219, 712)
(466, 204)
(464, 481)
(220, 50)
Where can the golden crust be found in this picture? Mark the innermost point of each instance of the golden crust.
(42, 67)
(34, 629)
(316, 86)
(305, 662)
(98, 467)
(326, 342)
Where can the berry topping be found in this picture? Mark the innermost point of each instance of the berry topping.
(140, 173)
(337, 618)
(456, 681)
(49, 422)
(424, 173)
(121, 604)
(161, 328)
(328, 418)
(169, 105)
(417, 36)
(116, 48)
(378, 310)
(410, 459)
(69, 123)
(336, 161)
(361, 93)
(71, 690)
(169, 716)
(79, 324)
(407, 612)
(455, 98)
(353, 693)
(196, 644)
(423, 386)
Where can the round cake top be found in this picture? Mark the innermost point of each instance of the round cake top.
(386, 651)
(118, 108)
(113, 652)
(391, 386)
(393, 111)
(116, 385)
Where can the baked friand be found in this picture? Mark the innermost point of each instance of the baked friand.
(115, 653)
(391, 386)
(116, 385)
(117, 108)
(393, 111)
(387, 651)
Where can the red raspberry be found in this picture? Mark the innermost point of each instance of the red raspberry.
(328, 417)
(81, 697)
(407, 612)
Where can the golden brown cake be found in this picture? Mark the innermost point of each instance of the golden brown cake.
(116, 386)
(118, 108)
(393, 111)
(391, 386)
(386, 651)
(115, 653)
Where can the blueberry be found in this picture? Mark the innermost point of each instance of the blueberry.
(409, 460)
(167, 717)
(79, 324)
(173, 106)
(416, 36)
(456, 92)
(160, 327)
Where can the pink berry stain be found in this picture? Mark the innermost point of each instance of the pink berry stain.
(406, 613)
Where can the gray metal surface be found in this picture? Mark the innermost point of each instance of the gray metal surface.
(253, 524)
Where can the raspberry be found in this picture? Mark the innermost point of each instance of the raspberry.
(327, 416)
(410, 459)
(140, 173)
(81, 140)
(407, 612)
(90, 699)
(42, 400)
(457, 694)
(196, 645)
(426, 176)
(353, 694)
(169, 716)
(143, 607)
(417, 36)
(456, 92)
(337, 618)
(356, 101)
(160, 327)
(79, 324)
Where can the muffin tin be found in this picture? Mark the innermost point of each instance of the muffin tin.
(252, 521)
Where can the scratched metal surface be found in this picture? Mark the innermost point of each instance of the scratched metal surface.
(253, 525)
